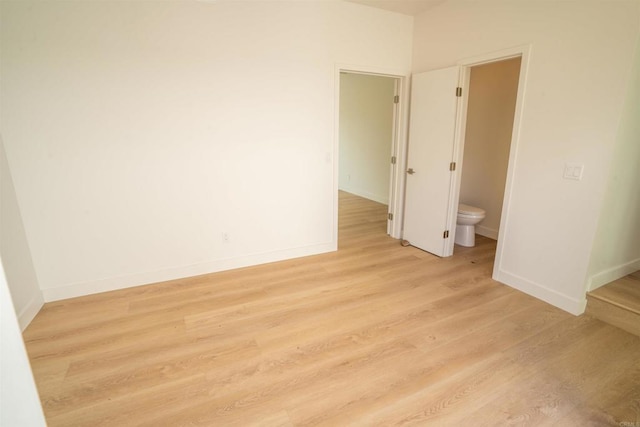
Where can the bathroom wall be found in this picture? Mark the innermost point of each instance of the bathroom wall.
(366, 135)
(492, 97)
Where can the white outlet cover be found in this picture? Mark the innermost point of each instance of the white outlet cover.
(573, 171)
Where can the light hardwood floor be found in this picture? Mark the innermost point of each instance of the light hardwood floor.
(373, 334)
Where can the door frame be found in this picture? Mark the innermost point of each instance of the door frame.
(398, 144)
(524, 52)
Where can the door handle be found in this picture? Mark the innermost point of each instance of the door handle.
(410, 171)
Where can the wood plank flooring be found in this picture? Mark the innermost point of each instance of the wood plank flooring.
(373, 334)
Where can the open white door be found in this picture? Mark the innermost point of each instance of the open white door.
(429, 211)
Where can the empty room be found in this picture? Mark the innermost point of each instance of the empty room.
(319, 212)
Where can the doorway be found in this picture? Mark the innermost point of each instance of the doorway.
(491, 104)
(437, 134)
(368, 133)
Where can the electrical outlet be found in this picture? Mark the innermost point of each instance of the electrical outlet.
(225, 236)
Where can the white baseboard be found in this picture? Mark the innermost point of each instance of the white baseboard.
(375, 197)
(28, 312)
(487, 232)
(611, 274)
(112, 284)
(564, 302)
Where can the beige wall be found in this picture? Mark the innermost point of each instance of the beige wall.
(14, 250)
(492, 99)
(366, 135)
(577, 79)
(139, 134)
(616, 248)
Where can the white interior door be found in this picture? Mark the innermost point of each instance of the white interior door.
(429, 214)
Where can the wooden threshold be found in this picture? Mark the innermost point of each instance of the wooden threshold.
(617, 303)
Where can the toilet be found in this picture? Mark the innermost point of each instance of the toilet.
(468, 217)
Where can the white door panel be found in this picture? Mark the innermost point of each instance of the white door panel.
(431, 151)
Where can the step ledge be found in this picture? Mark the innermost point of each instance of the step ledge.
(615, 303)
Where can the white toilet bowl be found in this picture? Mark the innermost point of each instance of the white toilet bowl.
(468, 217)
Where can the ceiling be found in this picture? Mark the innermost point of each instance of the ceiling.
(407, 7)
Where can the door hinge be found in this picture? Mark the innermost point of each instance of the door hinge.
(458, 91)
(390, 216)
(396, 99)
(393, 160)
(452, 166)
(445, 235)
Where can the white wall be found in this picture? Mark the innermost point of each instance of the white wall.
(14, 250)
(19, 401)
(366, 135)
(492, 101)
(139, 132)
(577, 78)
(616, 248)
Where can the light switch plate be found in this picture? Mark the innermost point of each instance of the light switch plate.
(573, 171)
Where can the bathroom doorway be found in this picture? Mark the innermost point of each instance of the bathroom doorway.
(436, 138)
(491, 106)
